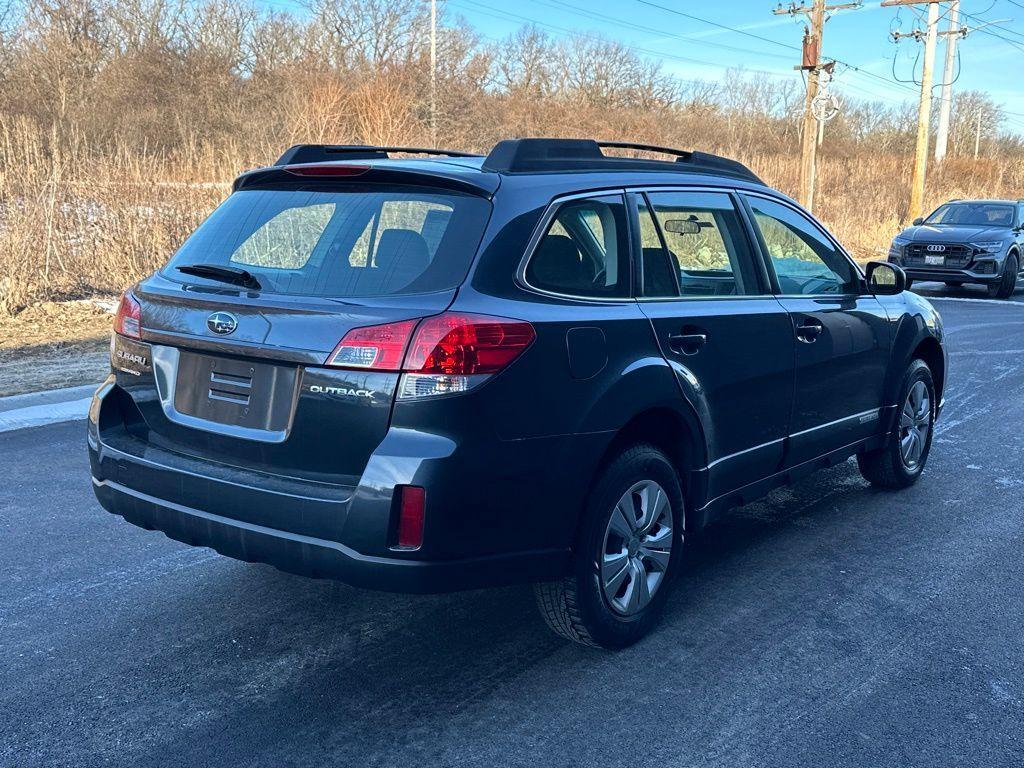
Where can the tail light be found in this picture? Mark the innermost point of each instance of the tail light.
(455, 352)
(128, 320)
(444, 354)
(379, 347)
(411, 516)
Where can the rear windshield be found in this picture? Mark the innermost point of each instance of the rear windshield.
(357, 242)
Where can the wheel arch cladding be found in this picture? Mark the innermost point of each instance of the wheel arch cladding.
(930, 351)
(668, 430)
(918, 336)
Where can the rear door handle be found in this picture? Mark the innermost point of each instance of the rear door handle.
(688, 343)
(809, 330)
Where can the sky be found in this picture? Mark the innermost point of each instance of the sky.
(678, 34)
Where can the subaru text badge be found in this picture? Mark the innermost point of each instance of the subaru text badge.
(222, 323)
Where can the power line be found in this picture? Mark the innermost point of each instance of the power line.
(847, 66)
(501, 14)
(745, 33)
(643, 28)
(988, 30)
(726, 27)
(862, 88)
(488, 10)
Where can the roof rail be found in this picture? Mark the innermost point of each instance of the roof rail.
(559, 155)
(319, 153)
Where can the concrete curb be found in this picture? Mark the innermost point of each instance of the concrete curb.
(37, 409)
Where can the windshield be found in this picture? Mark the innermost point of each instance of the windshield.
(973, 214)
(363, 241)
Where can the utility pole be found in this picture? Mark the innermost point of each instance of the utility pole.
(813, 66)
(953, 33)
(977, 135)
(433, 73)
(924, 110)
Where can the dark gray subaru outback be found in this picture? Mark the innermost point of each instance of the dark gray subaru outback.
(550, 365)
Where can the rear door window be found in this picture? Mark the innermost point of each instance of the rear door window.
(585, 251)
(705, 243)
(356, 242)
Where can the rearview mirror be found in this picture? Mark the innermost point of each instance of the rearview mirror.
(683, 226)
(918, 221)
(885, 279)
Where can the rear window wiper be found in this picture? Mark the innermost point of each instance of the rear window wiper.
(232, 275)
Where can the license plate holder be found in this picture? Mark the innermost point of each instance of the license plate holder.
(247, 394)
(935, 261)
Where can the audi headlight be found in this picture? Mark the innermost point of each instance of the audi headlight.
(990, 246)
(896, 249)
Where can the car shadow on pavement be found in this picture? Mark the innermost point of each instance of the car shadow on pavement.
(969, 291)
(257, 652)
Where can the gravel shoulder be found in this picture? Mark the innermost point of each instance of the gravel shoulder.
(55, 344)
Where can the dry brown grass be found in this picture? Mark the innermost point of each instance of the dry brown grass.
(78, 223)
(54, 344)
(71, 226)
(122, 122)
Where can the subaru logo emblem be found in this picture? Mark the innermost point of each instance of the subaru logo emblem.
(936, 248)
(222, 323)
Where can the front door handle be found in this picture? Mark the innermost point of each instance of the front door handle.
(809, 330)
(689, 343)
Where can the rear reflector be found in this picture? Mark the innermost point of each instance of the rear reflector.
(378, 347)
(327, 169)
(412, 502)
(128, 320)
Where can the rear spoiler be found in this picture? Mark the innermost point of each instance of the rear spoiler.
(435, 175)
(324, 153)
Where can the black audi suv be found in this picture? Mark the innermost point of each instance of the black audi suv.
(551, 364)
(966, 241)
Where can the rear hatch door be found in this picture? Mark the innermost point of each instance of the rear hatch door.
(240, 374)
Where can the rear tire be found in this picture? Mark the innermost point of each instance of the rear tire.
(900, 462)
(1008, 284)
(603, 605)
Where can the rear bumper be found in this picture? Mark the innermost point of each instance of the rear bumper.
(319, 558)
(338, 532)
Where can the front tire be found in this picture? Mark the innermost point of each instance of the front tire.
(626, 555)
(900, 462)
(1008, 284)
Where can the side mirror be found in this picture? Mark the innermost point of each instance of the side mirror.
(918, 221)
(885, 279)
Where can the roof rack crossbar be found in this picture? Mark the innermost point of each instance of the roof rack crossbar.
(560, 155)
(319, 153)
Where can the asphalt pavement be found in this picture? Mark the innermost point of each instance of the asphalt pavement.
(827, 625)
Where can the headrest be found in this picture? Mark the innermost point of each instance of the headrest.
(558, 264)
